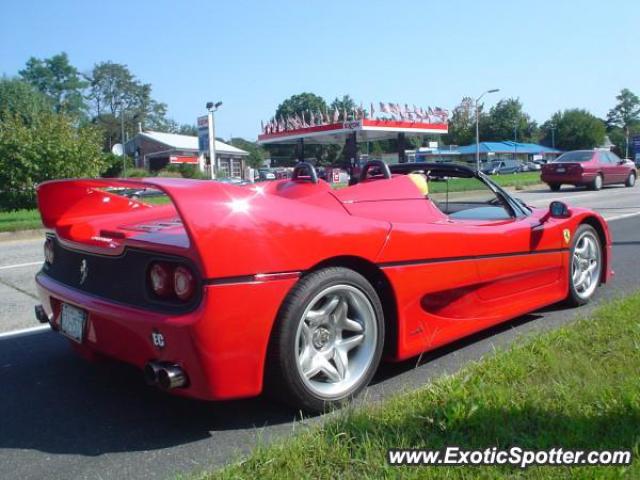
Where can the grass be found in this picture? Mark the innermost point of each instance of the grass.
(518, 181)
(577, 387)
(19, 220)
(30, 219)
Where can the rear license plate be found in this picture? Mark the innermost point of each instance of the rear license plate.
(72, 322)
(560, 170)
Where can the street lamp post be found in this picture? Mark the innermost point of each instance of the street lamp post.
(211, 108)
(553, 136)
(493, 90)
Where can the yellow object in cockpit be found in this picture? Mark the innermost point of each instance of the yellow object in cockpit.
(420, 181)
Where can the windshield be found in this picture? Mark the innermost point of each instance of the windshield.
(578, 156)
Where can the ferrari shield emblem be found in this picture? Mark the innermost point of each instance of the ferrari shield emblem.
(566, 233)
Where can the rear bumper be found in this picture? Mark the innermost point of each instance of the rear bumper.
(221, 345)
(574, 179)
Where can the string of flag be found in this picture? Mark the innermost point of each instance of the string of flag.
(386, 111)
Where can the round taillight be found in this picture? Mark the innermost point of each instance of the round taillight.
(183, 283)
(48, 251)
(160, 277)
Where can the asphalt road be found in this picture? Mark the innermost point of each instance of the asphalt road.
(62, 418)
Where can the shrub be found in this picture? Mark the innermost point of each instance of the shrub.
(138, 173)
(48, 147)
(113, 165)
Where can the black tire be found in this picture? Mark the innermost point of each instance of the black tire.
(631, 180)
(554, 187)
(284, 379)
(574, 298)
(597, 183)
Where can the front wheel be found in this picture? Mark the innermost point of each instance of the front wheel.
(586, 265)
(327, 341)
(631, 180)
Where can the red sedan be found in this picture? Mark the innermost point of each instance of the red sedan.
(590, 168)
(297, 289)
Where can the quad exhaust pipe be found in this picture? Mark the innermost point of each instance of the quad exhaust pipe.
(165, 375)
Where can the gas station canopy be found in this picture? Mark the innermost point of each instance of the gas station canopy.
(365, 130)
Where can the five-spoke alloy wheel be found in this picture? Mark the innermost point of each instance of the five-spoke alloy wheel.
(328, 340)
(586, 265)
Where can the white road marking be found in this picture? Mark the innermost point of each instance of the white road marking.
(620, 217)
(18, 265)
(24, 331)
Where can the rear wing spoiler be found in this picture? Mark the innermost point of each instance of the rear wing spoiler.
(81, 211)
(232, 231)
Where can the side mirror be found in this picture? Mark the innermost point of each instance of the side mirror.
(558, 209)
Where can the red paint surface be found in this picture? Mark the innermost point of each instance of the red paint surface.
(449, 278)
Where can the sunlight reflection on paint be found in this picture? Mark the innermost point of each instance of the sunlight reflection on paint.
(239, 205)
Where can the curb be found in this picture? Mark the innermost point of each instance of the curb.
(22, 235)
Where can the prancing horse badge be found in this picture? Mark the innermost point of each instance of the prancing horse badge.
(566, 233)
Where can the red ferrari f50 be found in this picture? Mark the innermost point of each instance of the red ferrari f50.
(296, 288)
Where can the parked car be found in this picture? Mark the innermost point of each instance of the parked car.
(233, 181)
(297, 288)
(138, 193)
(533, 166)
(590, 168)
(265, 174)
(502, 167)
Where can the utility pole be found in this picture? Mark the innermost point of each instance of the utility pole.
(553, 137)
(494, 90)
(626, 149)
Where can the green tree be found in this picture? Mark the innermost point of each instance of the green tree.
(257, 154)
(575, 129)
(58, 80)
(22, 99)
(188, 129)
(115, 90)
(181, 129)
(623, 120)
(344, 104)
(301, 104)
(507, 121)
(50, 147)
(627, 110)
(462, 124)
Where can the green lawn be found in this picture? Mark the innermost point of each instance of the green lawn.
(517, 180)
(576, 387)
(30, 219)
(19, 220)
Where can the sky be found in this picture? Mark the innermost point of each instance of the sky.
(251, 55)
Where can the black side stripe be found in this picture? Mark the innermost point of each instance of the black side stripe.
(425, 261)
(230, 280)
(252, 278)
